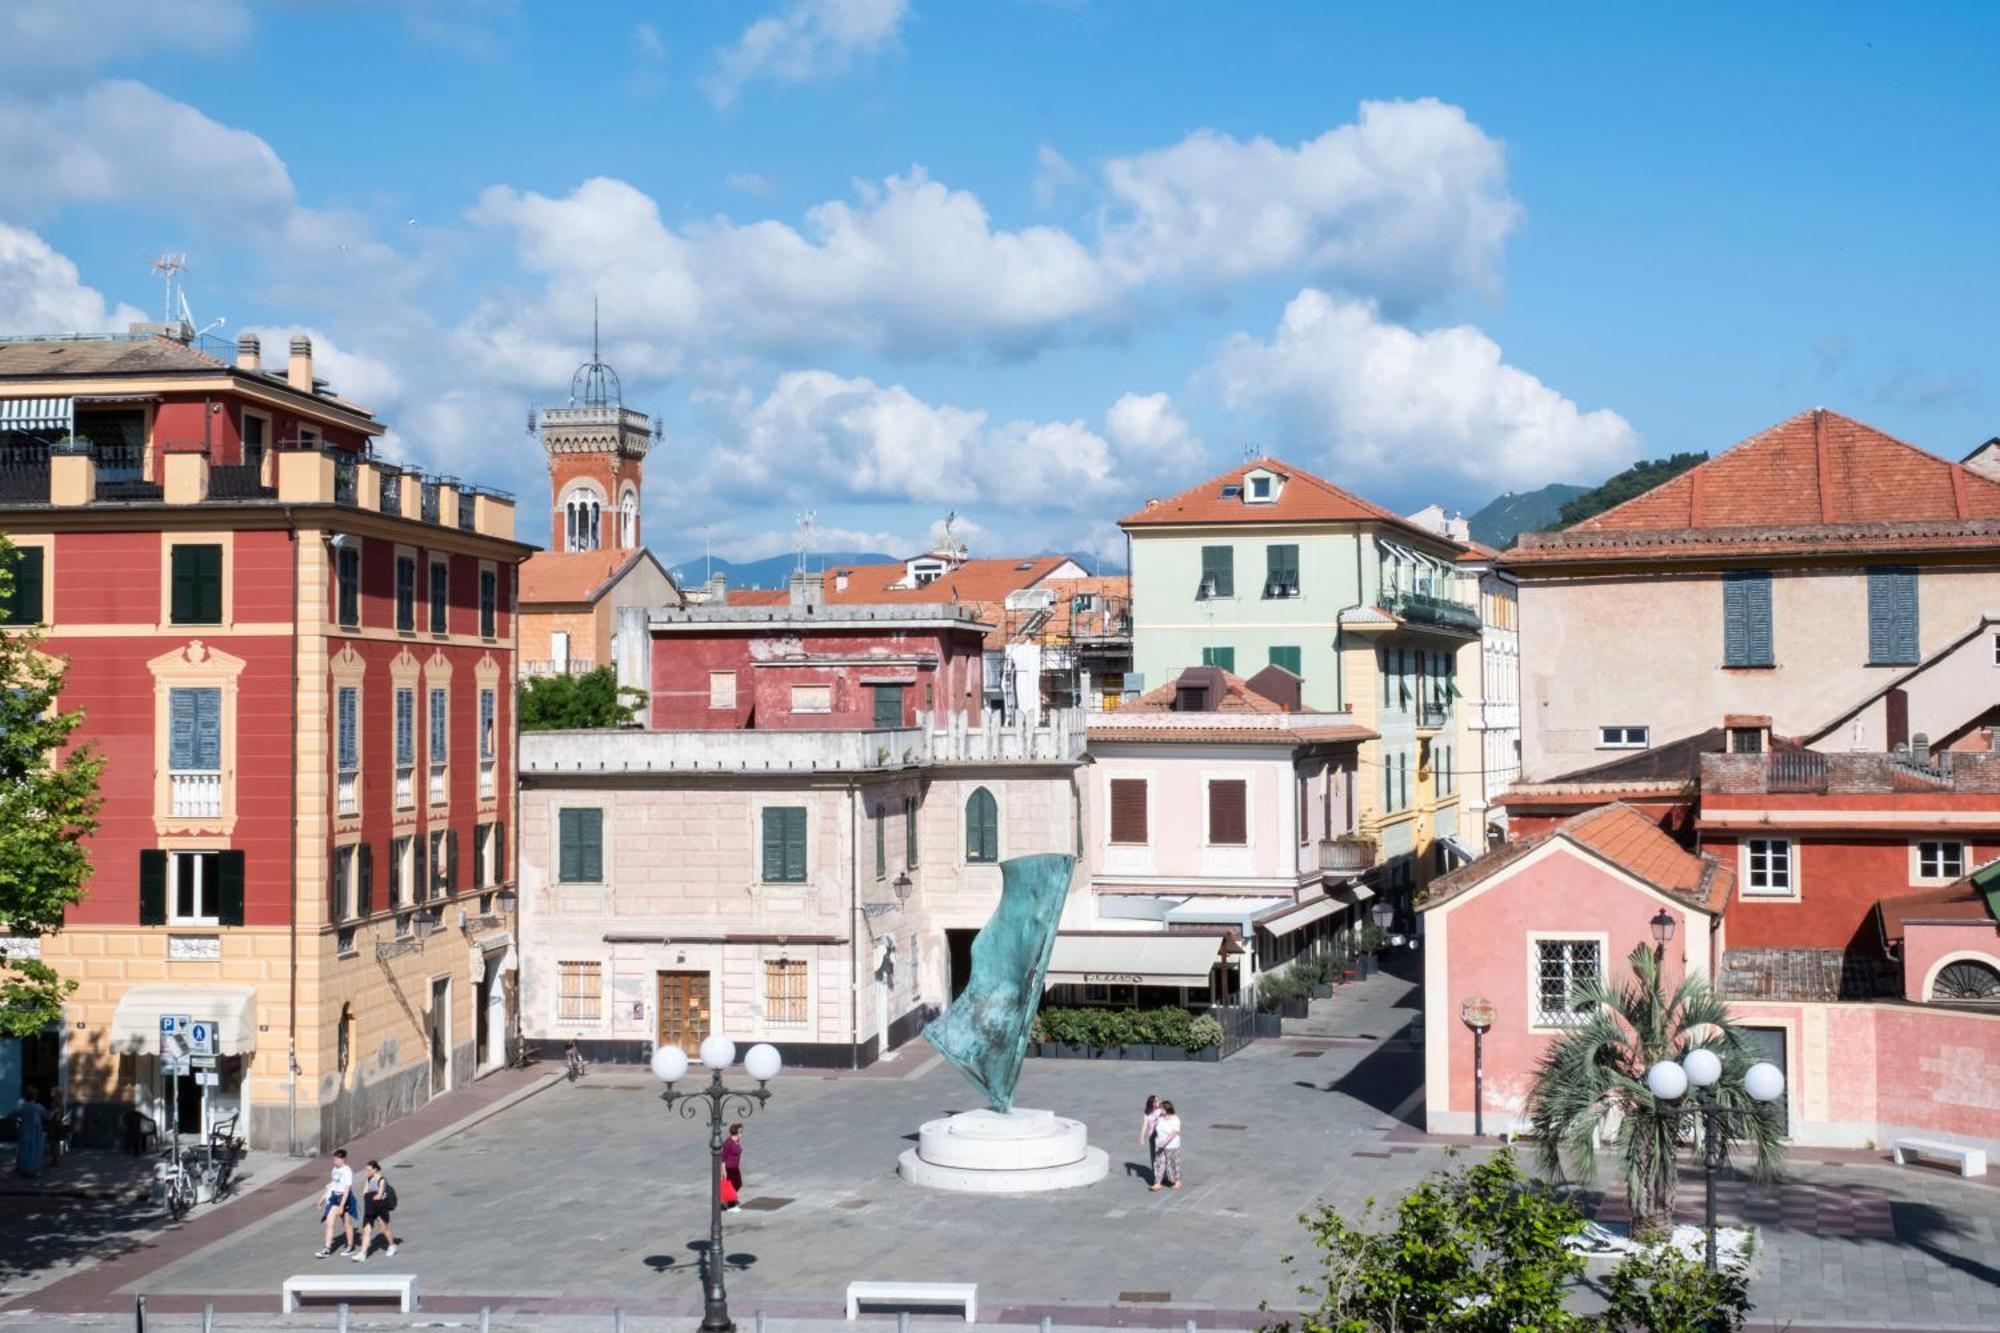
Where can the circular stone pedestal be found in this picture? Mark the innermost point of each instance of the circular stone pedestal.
(1021, 1152)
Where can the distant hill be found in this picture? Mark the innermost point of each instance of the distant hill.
(1634, 480)
(773, 571)
(1506, 518)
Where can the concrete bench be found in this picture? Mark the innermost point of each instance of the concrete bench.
(964, 1294)
(399, 1287)
(1971, 1161)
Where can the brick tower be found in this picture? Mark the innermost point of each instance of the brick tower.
(597, 449)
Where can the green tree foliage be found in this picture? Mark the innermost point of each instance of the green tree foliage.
(1597, 1071)
(1660, 1291)
(1634, 480)
(579, 703)
(48, 806)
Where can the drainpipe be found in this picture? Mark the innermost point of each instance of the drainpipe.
(857, 926)
(1340, 648)
(292, 835)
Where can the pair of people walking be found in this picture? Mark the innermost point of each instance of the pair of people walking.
(366, 1207)
(1160, 1133)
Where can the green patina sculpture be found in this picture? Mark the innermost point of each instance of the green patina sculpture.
(985, 1031)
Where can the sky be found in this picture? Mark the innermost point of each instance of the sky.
(1030, 262)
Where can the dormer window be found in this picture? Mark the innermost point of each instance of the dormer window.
(1260, 487)
(926, 571)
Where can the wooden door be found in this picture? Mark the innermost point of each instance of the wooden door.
(683, 1009)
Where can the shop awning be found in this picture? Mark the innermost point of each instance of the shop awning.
(1284, 923)
(1458, 849)
(54, 416)
(1133, 960)
(135, 1026)
(1353, 894)
(1214, 910)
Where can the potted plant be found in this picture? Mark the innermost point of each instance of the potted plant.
(1204, 1039)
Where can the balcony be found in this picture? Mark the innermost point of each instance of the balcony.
(406, 794)
(1433, 716)
(437, 784)
(567, 666)
(390, 492)
(196, 794)
(1346, 855)
(1835, 773)
(1421, 608)
(487, 784)
(347, 793)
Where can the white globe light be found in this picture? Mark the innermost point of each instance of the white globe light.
(762, 1062)
(1667, 1081)
(1703, 1067)
(1764, 1081)
(670, 1064)
(717, 1051)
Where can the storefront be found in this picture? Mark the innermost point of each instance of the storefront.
(1135, 970)
(210, 1090)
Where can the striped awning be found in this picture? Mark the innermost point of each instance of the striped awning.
(53, 415)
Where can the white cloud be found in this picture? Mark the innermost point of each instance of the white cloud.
(1150, 434)
(41, 292)
(1409, 202)
(1367, 398)
(355, 376)
(810, 40)
(779, 541)
(752, 183)
(1055, 175)
(48, 41)
(646, 40)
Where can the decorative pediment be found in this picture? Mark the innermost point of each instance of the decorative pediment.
(195, 660)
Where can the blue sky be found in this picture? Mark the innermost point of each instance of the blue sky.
(1035, 261)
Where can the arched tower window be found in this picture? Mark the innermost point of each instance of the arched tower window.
(628, 519)
(582, 522)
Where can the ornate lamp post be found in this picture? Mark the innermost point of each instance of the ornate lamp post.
(670, 1066)
(1701, 1069)
(1380, 915)
(1478, 1013)
(1663, 934)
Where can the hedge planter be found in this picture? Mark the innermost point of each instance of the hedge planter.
(1323, 991)
(1267, 1025)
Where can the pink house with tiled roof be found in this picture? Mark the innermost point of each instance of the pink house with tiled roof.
(1794, 575)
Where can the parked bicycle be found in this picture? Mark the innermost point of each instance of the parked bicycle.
(225, 1150)
(573, 1058)
(179, 1178)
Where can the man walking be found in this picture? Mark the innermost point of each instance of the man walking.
(341, 1203)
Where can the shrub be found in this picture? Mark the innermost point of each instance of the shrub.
(1660, 1291)
(1103, 1029)
(1202, 1033)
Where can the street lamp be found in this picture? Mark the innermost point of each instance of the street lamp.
(1663, 934)
(902, 884)
(1381, 914)
(1478, 1014)
(670, 1066)
(1701, 1069)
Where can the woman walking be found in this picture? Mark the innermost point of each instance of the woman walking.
(378, 1203)
(31, 1118)
(1146, 1127)
(1167, 1148)
(732, 1169)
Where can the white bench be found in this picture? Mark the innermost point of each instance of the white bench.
(1971, 1161)
(965, 1294)
(400, 1287)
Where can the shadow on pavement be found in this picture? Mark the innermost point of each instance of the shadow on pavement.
(1382, 1080)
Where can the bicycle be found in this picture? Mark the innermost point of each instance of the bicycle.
(180, 1190)
(573, 1058)
(224, 1151)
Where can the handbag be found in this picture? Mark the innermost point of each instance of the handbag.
(728, 1191)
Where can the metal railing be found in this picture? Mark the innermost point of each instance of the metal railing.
(196, 794)
(1346, 853)
(345, 487)
(24, 483)
(468, 500)
(346, 793)
(1426, 609)
(1795, 771)
(238, 481)
(427, 494)
(391, 492)
(569, 666)
(1433, 716)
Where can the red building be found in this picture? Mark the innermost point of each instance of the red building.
(296, 659)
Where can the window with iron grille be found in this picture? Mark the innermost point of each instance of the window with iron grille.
(1561, 968)
(579, 992)
(785, 990)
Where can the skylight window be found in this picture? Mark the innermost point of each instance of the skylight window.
(1231, 491)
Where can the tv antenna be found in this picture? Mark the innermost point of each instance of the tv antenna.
(174, 308)
(806, 521)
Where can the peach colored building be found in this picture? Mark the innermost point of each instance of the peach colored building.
(570, 605)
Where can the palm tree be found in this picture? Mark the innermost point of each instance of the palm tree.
(1595, 1074)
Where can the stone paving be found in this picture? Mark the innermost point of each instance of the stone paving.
(586, 1197)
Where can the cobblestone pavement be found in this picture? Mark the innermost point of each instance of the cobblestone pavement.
(588, 1197)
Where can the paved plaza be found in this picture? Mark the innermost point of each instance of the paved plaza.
(580, 1198)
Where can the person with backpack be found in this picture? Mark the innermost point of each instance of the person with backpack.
(341, 1204)
(378, 1199)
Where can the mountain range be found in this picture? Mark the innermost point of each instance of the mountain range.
(773, 570)
(1508, 516)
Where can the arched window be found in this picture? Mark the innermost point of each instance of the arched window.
(580, 522)
(982, 827)
(628, 520)
(1966, 979)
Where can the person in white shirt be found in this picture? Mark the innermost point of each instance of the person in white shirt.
(1167, 1148)
(341, 1202)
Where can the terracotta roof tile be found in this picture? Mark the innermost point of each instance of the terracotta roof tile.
(1621, 835)
(1803, 974)
(1232, 735)
(1964, 900)
(573, 576)
(973, 581)
(1304, 498)
(1237, 697)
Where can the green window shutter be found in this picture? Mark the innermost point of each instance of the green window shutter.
(500, 852)
(982, 827)
(1892, 616)
(24, 603)
(1286, 657)
(1220, 657)
(774, 844)
(336, 871)
(888, 705)
(795, 845)
(910, 832)
(881, 841)
(181, 596)
(208, 584)
(420, 888)
(566, 845)
(152, 887)
(1746, 618)
(1281, 570)
(229, 888)
(364, 880)
(593, 845)
(1218, 571)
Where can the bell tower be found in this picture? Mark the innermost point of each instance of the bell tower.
(597, 450)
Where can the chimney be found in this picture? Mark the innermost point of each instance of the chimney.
(300, 373)
(1920, 749)
(718, 590)
(249, 352)
(808, 590)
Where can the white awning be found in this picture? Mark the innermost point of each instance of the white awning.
(135, 1026)
(52, 415)
(1303, 915)
(1216, 909)
(1133, 960)
(1354, 894)
(1458, 849)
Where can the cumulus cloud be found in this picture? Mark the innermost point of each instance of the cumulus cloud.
(41, 291)
(646, 40)
(49, 41)
(356, 376)
(778, 541)
(811, 39)
(1370, 398)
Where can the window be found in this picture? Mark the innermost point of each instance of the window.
(23, 604)
(1218, 572)
(347, 565)
(489, 712)
(1624, 738)
(347, 747)
(194, 750)
(1260, 488)
(888, 705)
(1441, 758)
(444, 862)
(722, 689)
(439, 590)
(340, 885)
(1767, 868)
(785, 990)
(1562, 969)
(579, 992)
(1220, 657)
(402, 872)
(1128, 810)
(196, 595)
(1281, 571)
(190, 888)
(406, 748)
(1227, 819)
(1746, 740)
(784, 844)
(812, 698)
(1286, 656)
(1382, 671)
(440, 735)
(254, 430)
(488, 839)
(1892, 616)
(881, 842)
(196, 877)
(1940, 860)
(580, 845)
(982, 827)
(489, 604)
(909, 832)
(1746, 618)
(406, 593)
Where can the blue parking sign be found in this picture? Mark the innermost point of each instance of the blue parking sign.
(166, 1023)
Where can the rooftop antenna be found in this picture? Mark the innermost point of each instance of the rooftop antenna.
(168, 268)
(707, 556)
(1250, 453)
(596, 384)
(805, 535)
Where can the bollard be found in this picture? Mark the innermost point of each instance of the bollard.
(485, 1319)
(902, 1321)
(208, 1317)
(343, 1317)
(139, 1313)
(1048, 1324)
(760, 1321)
